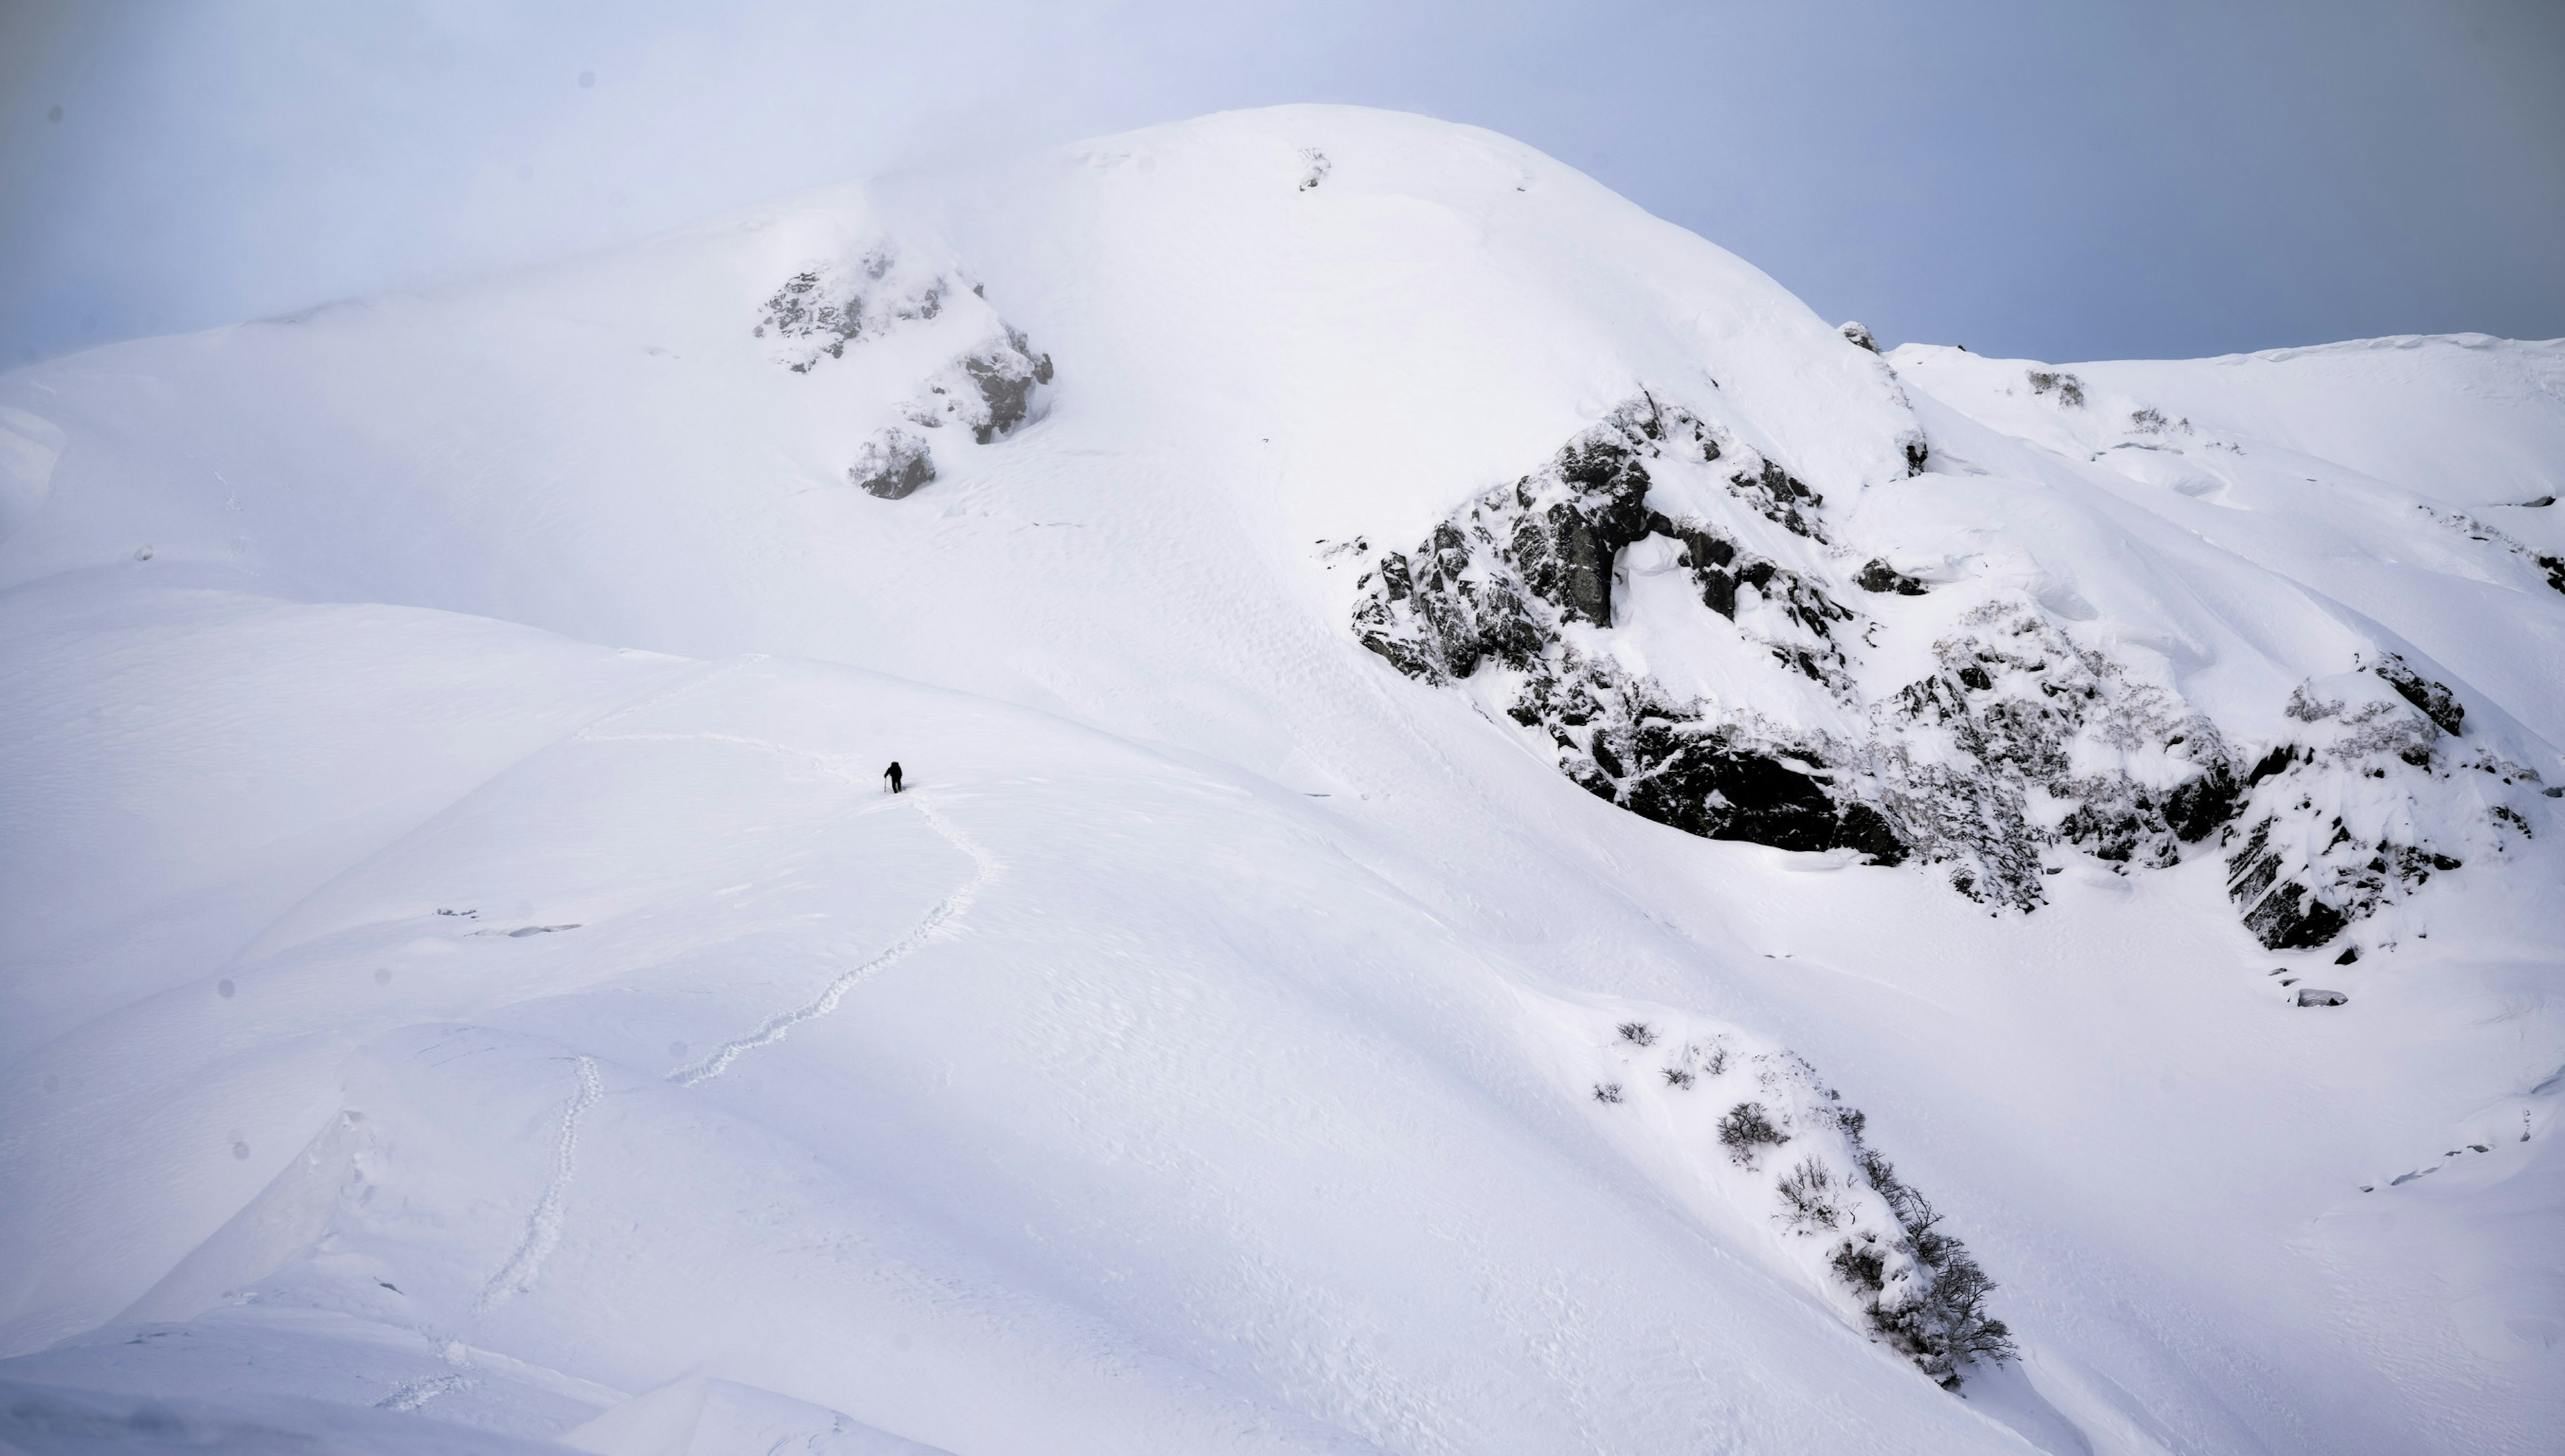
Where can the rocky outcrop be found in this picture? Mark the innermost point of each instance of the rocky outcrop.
(2365, 804)
(987, 388)
(892, 464)
(1502, 583)
(828, 304)
(2022, 743)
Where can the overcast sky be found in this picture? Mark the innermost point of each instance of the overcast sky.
(2059, 180)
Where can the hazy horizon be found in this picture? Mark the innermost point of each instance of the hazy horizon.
(2165, 180)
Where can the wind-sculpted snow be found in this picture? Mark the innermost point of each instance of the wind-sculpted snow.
(2022, 739)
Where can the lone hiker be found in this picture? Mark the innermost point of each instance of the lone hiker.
(892, 774)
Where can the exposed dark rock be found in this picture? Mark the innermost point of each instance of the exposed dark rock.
(1781, 496)
(1496, 584)
(2198, 806)
(2289, 918)
(2272, 763)
(1005, 375)
(826, 306)
(1701, 782)
(1859, 336)
(1879, 575)
(2021, 739)
(892, 465)
(2433, 698)
(822, 309)
(805, 308)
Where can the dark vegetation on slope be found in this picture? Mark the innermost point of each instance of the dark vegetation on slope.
(1917, 1287)
(1930, 1306)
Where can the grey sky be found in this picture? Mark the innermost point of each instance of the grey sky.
(2065, 181)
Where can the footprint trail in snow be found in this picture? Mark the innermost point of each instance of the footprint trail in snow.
(544, 1225)
(775, 1028)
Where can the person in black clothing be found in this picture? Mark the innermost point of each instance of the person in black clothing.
(892, 774)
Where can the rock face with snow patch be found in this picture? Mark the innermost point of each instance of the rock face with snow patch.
(2021, 740)
(988, 388)
(2366, 803)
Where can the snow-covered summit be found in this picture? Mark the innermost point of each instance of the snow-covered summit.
(1464, 743)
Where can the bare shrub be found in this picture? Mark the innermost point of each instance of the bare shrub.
(1807, 1195)
(2068, 388)
(1747, 1127)
(1938, 1321)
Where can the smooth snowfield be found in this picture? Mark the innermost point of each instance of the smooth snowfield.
(465, 982)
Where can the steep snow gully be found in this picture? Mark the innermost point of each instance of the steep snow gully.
(1516, 844)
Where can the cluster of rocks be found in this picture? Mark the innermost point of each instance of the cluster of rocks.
(2354, 809)
(987, 390)
(1500, 581)
(826, 306)
(1983, 765)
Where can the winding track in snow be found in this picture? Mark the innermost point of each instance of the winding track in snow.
(775, 1028)
(544, 1225)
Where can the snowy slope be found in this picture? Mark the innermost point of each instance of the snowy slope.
(461, 961)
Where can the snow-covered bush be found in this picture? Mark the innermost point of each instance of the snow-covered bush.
(1807, 1194)
(1838, 1211)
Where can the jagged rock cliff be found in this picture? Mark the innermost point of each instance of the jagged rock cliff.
(2020, 744)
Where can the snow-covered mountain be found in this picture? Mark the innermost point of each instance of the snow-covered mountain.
(1514, 843)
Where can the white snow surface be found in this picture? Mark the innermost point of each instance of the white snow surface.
(465, 988)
